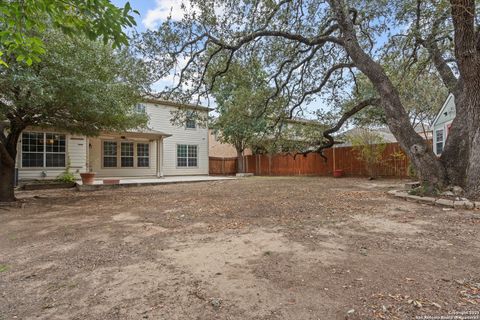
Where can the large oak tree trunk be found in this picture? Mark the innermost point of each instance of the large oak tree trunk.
(428, 166)
(8, 154)
(456, 151)
(7, 176)
(467, 53)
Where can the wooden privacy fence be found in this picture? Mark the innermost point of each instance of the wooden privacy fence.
(394, 163)
(222, 166)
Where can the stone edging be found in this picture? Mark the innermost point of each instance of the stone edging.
(457, 204)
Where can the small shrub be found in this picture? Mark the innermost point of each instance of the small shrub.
(66, 177)
(425, 189)
(412, 173)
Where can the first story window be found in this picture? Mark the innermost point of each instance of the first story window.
(187, 155)
(43, 149)
(109, 154)
(439, 141)
(126, 154)
(143, 155)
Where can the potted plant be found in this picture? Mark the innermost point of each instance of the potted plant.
(88, 177)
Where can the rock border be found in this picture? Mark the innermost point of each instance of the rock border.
(456, 204)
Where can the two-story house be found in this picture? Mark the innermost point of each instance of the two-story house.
(164, 149)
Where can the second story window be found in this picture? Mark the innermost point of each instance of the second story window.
(191, 123)
(140, 108)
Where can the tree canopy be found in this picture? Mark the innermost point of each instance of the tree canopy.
(80, 86)
(23, 22)
(318, 49)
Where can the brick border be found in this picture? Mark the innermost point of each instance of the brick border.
(457, 204)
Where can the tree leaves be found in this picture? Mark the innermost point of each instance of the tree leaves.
(21, 22)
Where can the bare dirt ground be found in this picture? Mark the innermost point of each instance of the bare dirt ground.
(257, 248)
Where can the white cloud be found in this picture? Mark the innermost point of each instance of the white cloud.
(163, 10)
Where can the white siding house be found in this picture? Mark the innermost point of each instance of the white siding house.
(441, 124)
(162, 149)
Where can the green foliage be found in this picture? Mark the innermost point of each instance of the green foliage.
(293, 136)
(23, 22)
(3, 268)
(426, 189)
(421, 91)
(412, 173)
(80, 86)
(240, 94)
(66, 176)
(370, 147)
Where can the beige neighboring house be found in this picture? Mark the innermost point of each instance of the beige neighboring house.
(218, 149)
(422, 129)
(164, 149)
(226, 150)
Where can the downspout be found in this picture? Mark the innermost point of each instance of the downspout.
(157, 148)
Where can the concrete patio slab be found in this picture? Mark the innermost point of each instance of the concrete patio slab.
(137, 182)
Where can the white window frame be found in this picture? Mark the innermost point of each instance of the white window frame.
(190, 117)
(44, 152)
(119, 153)
(437, 142)
(187, 156)
(142, 157)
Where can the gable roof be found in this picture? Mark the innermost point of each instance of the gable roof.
(442, 110)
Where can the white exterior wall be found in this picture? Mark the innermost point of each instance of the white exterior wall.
(160, 117)
(443, 120)
(76, 153)
(96, 160)
(79, 148)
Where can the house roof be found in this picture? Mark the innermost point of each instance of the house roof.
(442, 110)
(139, 133)
(176, 104)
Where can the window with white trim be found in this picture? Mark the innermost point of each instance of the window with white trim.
(191, 122)
(143, 155)
(43, 150)
(126, 154)
(110, 154)
(439, 141)
(140, 108)
(187, 155)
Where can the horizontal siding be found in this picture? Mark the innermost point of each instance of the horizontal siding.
(76, 146)
(160, 117)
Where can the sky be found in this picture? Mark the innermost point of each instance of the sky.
(153, 12)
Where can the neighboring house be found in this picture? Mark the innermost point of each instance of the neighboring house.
(442, 123)
(386, 134)
(221, 150)
(293, 127)
(162, 149)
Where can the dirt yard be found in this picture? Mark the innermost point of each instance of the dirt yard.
(257, 248)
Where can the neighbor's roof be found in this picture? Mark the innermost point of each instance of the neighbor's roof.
(176, 104)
